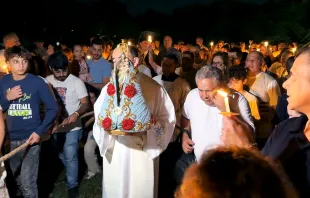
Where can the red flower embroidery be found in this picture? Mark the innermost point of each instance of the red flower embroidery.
(153, 119)
(128, 124)
(106, 123)
(111, 90)
(130, 91)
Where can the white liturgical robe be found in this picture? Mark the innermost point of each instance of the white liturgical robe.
(130, 163)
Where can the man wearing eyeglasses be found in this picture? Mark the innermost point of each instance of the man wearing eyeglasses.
(267, 91)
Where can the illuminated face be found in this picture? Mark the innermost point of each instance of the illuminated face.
(167, 42)
(18, 65)
(220, 45)
(60, 74)
(297, 85)
(50, 50)
(236, 84)
(13, 41)
(78, 52)
(207, 87)
(218, 62)
(144, 45)
(97, 51)
(199, 41)
(253, 63)
(263, 50)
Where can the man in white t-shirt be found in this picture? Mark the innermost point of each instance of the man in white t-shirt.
(201, 113)
(74, 97)
(267, 91)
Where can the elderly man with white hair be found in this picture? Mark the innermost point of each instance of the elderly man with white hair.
(202, 118)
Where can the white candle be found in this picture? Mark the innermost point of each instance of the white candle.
(227, 104)
(226, 101)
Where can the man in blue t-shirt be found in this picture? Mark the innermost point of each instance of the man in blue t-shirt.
(99, 68)
(21, 95)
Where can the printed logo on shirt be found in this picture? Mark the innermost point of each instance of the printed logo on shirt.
(62, 93)
(21, 110)
(24, 98)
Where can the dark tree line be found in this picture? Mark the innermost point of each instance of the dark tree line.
(223, 19)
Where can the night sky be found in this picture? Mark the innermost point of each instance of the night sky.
(136, 7)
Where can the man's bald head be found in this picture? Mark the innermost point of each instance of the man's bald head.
(10, 40)
(258, 55)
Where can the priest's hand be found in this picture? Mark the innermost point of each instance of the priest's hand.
(236, 132)
(187, 144)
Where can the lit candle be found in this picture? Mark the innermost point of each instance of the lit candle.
(129, 43)
(266, 43)
(149, 39)
(88, 57)
(211, 44)
(225, 95)
(294, 49)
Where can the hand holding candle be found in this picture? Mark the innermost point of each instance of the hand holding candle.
(226, 101)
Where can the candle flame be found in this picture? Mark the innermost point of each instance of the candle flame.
(149, 39)
(222, 93)
(294, 49)
(88, 57)
(266, 43)
(211, 43)
(129, 43)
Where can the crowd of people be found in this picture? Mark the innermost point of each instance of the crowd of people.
(156, 115)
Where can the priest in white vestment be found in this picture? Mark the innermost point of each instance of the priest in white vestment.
(134, 122)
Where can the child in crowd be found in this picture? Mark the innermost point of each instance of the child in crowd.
(236, 80)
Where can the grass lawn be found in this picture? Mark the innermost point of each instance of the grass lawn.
(88, 188)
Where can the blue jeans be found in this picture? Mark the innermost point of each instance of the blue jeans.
(68, 146)
(24, 166)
